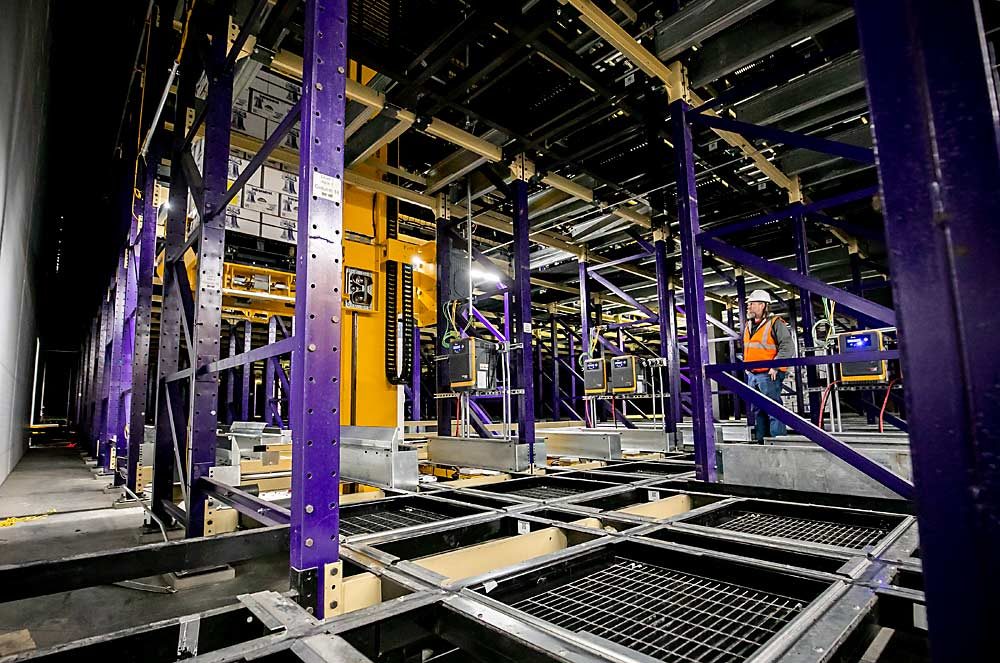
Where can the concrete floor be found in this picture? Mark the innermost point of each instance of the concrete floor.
(52, 480)
(78, 518)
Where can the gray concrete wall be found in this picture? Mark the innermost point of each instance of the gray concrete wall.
(23, 107)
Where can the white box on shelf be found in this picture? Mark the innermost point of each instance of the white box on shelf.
(291, 139)
(249, 124)
(276, 228)
(268, 107)
(260, 200)
(239, 224)
(237, 165)
(281, 181)
(289, 207)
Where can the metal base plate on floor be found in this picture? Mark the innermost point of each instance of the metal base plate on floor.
(501, 455)
(596, 444)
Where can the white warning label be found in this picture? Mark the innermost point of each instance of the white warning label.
(326, 187)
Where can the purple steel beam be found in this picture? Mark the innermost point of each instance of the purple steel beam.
(229, 411)
(171, 312)
(618, 261)
(145, 263)
(668, 337)
(207, 321)
(247, 370)
(584, 310)
(640, 240)
(618, 326)
(258, 160)
(703, 427)
(315, 395)
(746, 129)
(522, 309)
(269, 405)
(284, 346)
(573, 374)
(814, 285)
(621, 293)
(556, 413)
(285, 388)
(787, 212)
(934, 114)
(131, 275)
(822, 360)
(477, 314)
(264, 512)
(112, 428)
(673, 360)
(844, 452)
(805, 299)
(609, 346)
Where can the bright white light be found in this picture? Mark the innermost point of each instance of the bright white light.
(166, 205)
(416, 261)
(479, 274)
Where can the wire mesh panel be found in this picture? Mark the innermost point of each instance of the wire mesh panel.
(666, 614)
(804, 529)
(547, 492)
(385, 521)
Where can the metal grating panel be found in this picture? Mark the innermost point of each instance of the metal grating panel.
(386, 521)
(666, 614)
(546, 492)
(804, 529)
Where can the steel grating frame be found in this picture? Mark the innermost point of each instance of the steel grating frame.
(387, 521)
(666, 614)
(804, 529)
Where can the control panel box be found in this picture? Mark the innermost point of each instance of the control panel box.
(472, 364)
(874, 370)
(627, 375)
(595, 377)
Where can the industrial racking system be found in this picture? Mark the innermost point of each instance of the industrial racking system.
(790, 576)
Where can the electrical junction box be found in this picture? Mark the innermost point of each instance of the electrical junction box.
(862, 371)
(472, 364)
(627, 375)
(595, 377)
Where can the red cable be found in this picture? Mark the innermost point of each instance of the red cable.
(885, 402)
(822, 403)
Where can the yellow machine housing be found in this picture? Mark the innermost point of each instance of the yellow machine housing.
(863, 371)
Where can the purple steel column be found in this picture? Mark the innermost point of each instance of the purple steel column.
(229, 408)
(171, 310)
(802, 260)
(315, 394)
(124, 424)
(247, 370)
(269, 399)
(572, 378)
(522, 314)
(934, 115)
(207, 327)
(703, 426)
(556, 408)
(143, 320)
(668, 336)
(108, 381)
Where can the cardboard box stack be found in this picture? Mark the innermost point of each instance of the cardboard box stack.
(268, 204)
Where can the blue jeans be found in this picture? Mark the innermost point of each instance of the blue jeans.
(763, 383)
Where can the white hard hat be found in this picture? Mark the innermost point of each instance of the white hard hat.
(760, 296)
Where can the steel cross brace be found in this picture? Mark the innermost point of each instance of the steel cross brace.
(844, 452)
(853, 302)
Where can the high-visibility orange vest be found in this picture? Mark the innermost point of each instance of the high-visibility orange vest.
(760, 346)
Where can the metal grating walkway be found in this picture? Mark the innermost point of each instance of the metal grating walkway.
(666, 614)
(546, 492)
(804, 529)
(384, 521)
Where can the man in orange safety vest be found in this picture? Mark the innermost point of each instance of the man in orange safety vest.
(766, 337)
